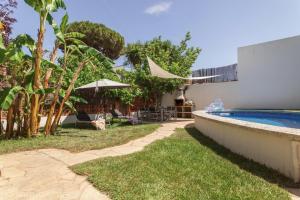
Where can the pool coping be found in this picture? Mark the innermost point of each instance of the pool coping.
(292, 133)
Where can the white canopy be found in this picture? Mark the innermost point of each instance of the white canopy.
(105, 83)
(159, 72)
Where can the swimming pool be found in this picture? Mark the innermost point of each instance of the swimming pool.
(268, 137)
(275, 118)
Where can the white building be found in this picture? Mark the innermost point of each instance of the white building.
(268, 78)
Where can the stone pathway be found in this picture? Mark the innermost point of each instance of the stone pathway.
(44, 174)
(294, 193)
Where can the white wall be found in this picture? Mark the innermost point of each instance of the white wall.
(269, 78)
(70, 119)
(276, 150)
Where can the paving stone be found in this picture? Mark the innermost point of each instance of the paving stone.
(12, 172)
(44, 174)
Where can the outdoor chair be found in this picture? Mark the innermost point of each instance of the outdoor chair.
(82, 118)
(154, 114)
(144, 114)
(116, 114)
(167, 115)
(135, 118)
(106, 116)
(172, 111)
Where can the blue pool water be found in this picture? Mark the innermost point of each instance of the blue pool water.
(283, 119)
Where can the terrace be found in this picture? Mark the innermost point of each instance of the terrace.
(73, 125)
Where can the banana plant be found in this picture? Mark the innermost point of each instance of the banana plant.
(9, 95)
(88, 56)
(44, 8)
(21, 87)
(74, 39)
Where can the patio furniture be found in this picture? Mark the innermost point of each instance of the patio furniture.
(144, 114)
(154, 114)
(82, 118)
(166, 114)
(99, 124)
(173, 112)
(116, 114)
(135, 118)
(106, 116)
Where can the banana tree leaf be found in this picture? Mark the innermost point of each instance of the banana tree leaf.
(78, 99)
(8, 96)
(49, 5)
(24, 40)
(36, 5)
(14, 52)
(74, 35)
(29, 81)
(57, 31)
(70, 105)
(74, 41)
(92, 52)
(64, 23)
(74, 49)
(52, 65)
(54, 5)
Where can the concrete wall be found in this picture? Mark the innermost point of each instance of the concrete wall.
(275, 150)
(268, 78)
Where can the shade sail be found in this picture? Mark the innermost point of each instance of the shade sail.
(105, 83)
(161, 73)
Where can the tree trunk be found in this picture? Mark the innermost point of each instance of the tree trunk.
(53, 104)
(15, 117)
(9, 123)
(36, 81)
(46, 81)
(1, 127)
(66, 97)
(20, 114)
(26, 123)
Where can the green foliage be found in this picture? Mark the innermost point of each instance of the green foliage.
(126, 95)
(7, 97)
(177, 59)
(185, 166)
(58, 33)
(105, 40)
(64, 23)
(46, 5)
(98, 68)
(14, 51)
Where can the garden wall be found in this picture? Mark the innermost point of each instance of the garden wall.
(275, 147)
(268, 78)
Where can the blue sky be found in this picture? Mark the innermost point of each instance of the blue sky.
(218, 27)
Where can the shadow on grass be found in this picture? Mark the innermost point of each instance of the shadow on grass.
(69, 129)
(254, 168)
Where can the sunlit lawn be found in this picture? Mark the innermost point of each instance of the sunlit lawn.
(76, 140)
(187, 165)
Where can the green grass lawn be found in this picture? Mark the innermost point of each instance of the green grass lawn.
(77, 140)
(186, 165)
